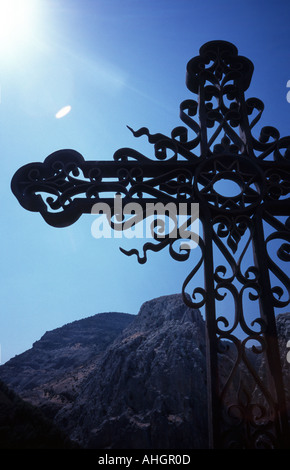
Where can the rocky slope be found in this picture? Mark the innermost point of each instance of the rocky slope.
(49, 374)
(23, 426)
(126, 381)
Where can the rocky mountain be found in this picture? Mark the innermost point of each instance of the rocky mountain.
(49, 374)
(149, 390)
(125, 381)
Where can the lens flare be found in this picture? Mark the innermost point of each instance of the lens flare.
(63, 112)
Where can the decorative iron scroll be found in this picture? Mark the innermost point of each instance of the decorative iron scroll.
(243, 280)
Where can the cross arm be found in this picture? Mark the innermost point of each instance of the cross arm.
(65, 185)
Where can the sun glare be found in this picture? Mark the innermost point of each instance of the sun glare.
(17, 21)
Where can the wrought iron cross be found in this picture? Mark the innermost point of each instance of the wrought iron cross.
(247, 406)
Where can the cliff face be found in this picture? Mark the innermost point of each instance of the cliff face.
(149, 390)
(127, 381)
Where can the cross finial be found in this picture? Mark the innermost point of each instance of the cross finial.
(216, 60)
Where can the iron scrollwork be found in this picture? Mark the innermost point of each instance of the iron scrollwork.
(215, 144)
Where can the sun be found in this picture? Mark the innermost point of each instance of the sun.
(17, 22)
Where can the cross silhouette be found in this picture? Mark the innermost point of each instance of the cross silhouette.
(195, 165)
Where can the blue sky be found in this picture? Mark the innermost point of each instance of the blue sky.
(116, 63)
